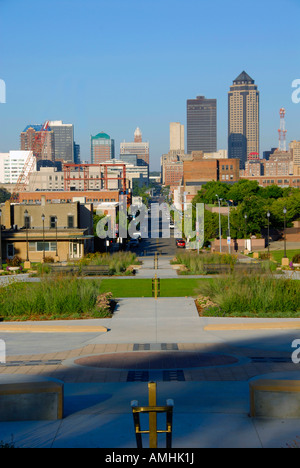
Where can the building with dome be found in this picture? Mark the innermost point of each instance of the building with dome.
(137, 147)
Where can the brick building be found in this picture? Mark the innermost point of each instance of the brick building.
(199, 171)
(34, 133)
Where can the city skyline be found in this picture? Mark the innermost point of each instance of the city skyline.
(152, 70)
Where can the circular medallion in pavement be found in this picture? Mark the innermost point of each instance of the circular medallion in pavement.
(157, 360)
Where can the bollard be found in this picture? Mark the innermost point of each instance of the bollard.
(152, 410)
(156, 287)
(155, 261)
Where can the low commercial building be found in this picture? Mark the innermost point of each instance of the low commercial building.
(62, 231)
(199, 171)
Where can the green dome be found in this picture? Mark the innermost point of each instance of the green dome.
(101, 135)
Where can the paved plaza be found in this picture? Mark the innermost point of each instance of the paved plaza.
(203, 364)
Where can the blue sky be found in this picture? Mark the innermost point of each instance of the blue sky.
(114, 65)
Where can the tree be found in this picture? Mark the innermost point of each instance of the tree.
(209, 191)
(273, 191)
(4, 195)
(243, 189)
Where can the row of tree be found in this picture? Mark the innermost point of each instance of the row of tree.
(250, 204)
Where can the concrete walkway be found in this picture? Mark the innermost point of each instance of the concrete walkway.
(163, 270)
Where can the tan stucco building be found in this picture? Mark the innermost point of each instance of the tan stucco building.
(63, 231)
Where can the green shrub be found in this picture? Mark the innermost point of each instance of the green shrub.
(252, 295)
(296, 258)
(195, 263)
(54, 298)
(118, 262)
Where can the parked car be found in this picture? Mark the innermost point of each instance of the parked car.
(180, 243)
(137, 236)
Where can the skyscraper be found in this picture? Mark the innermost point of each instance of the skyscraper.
(138, 147)
(102, 148)
(176, 137)
(63, 141)
(202, 125)
(34, 132)
(243, 119)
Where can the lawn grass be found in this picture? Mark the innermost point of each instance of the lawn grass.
(278, 255)
(184, 287)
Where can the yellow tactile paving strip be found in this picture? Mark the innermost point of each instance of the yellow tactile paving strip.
(293, 325)
(32, 328)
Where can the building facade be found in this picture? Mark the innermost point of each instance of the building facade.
(243, 119)
(138, 147)
(62, 231)
(34, 134)
(63, 140)
(102, 148)
(177, 137)
(201, 125)
(12, 165)
(295, 150)
(199, 171)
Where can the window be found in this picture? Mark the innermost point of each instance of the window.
(10, 250)
(49, 246)
(70, 222)
(52, 222)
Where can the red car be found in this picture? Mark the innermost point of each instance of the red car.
(180, 243)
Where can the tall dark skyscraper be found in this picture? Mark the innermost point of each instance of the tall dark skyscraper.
(202, 125)
(243, 119)
(64, 141)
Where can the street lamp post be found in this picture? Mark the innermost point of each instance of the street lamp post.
(284, 213)
(220, 229)
(26, 226)
(56, 236)
(246, 230)
(1, 266)
(229, 241)
(268, 215)
(43, 219)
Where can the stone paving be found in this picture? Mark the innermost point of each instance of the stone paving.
(113, 363)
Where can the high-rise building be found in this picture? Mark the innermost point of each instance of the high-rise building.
(243, 119)
(12, 165)
(34, 132)
(76, 153)
(102, 148)
(201, 125)
(295, 150)
(138, 147)
(63, 141)
(176, 137)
